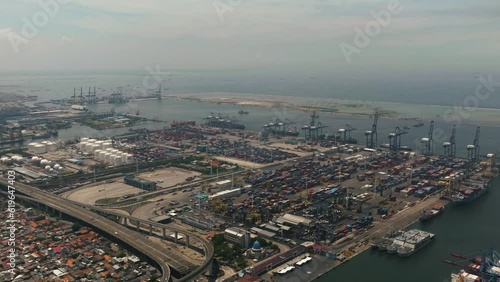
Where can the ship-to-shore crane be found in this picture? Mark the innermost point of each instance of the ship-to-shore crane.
(371, 135)
(395, 139)
(345, 134)
(450, 147)
(428, 142)
(473, 149)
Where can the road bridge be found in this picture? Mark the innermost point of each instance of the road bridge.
(160, 254)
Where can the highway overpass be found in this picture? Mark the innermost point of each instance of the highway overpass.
(163, 257)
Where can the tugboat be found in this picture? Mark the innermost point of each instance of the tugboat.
(242, 112)
(435, 211)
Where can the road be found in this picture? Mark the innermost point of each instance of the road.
(160, 254)
(133, 239)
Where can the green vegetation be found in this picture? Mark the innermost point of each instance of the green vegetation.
(226, 253)
(76, 226)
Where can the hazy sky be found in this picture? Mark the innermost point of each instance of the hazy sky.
(427, 35)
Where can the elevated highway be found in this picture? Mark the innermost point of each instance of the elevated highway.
(164, 258)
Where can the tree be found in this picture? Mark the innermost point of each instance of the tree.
(76, 226)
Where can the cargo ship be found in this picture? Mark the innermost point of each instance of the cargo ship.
(224, 122)
(177, 124)
(413, 241)
(428, 215)
(468, 194)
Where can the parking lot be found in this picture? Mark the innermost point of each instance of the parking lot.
(168, 177)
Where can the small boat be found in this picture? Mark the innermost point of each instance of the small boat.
(435, 211)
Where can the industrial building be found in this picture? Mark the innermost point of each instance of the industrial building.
(224, 184)
(263, 233)
(226, 194)
(140, 183)
(238, 236)
(293, 220)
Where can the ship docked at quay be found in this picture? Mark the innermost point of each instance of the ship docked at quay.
(468, 194)
(430, 214)
(406, 243)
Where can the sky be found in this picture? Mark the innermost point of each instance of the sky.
(424, 36)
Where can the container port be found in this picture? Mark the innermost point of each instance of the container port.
(317, 194)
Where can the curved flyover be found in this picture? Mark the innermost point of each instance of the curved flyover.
(158, 253)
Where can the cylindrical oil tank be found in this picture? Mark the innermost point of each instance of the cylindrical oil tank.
(31, 146)
(40, 149)
(51, 147)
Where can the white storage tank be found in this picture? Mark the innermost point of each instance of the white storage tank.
(47, 167)
(31, 146)
(51, 147)
(117, 160)
(84, 139)
(95, 147)
(130, 159)
(100, 156)
(40, 149)
(106, 157)
(96, 153)
(88, 147)
(109, 150)
(92, 141)
(106, 145)
(6, 160)
(18, 159)
(35, 160)
(81, 146)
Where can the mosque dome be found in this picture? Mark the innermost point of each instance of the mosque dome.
(256, 246)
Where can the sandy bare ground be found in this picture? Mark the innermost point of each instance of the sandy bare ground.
(478, 115)
(89, 195)
(168, 177)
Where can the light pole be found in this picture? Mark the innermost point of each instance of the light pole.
(105, 195)
(411, 174)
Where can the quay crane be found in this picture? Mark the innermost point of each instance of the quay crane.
(450, 147)
(371, 135)
(485, 265)
(314, 131)
(428, 142)
(345, 135)
(395, 139)
(473, 149)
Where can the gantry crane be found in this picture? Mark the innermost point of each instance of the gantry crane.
(81, 95)
(473, 149)
(483, 264)
(395, 139)
(371, 135)
(313, 131)
(428, 142)
(450, 147)
(345, 134)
